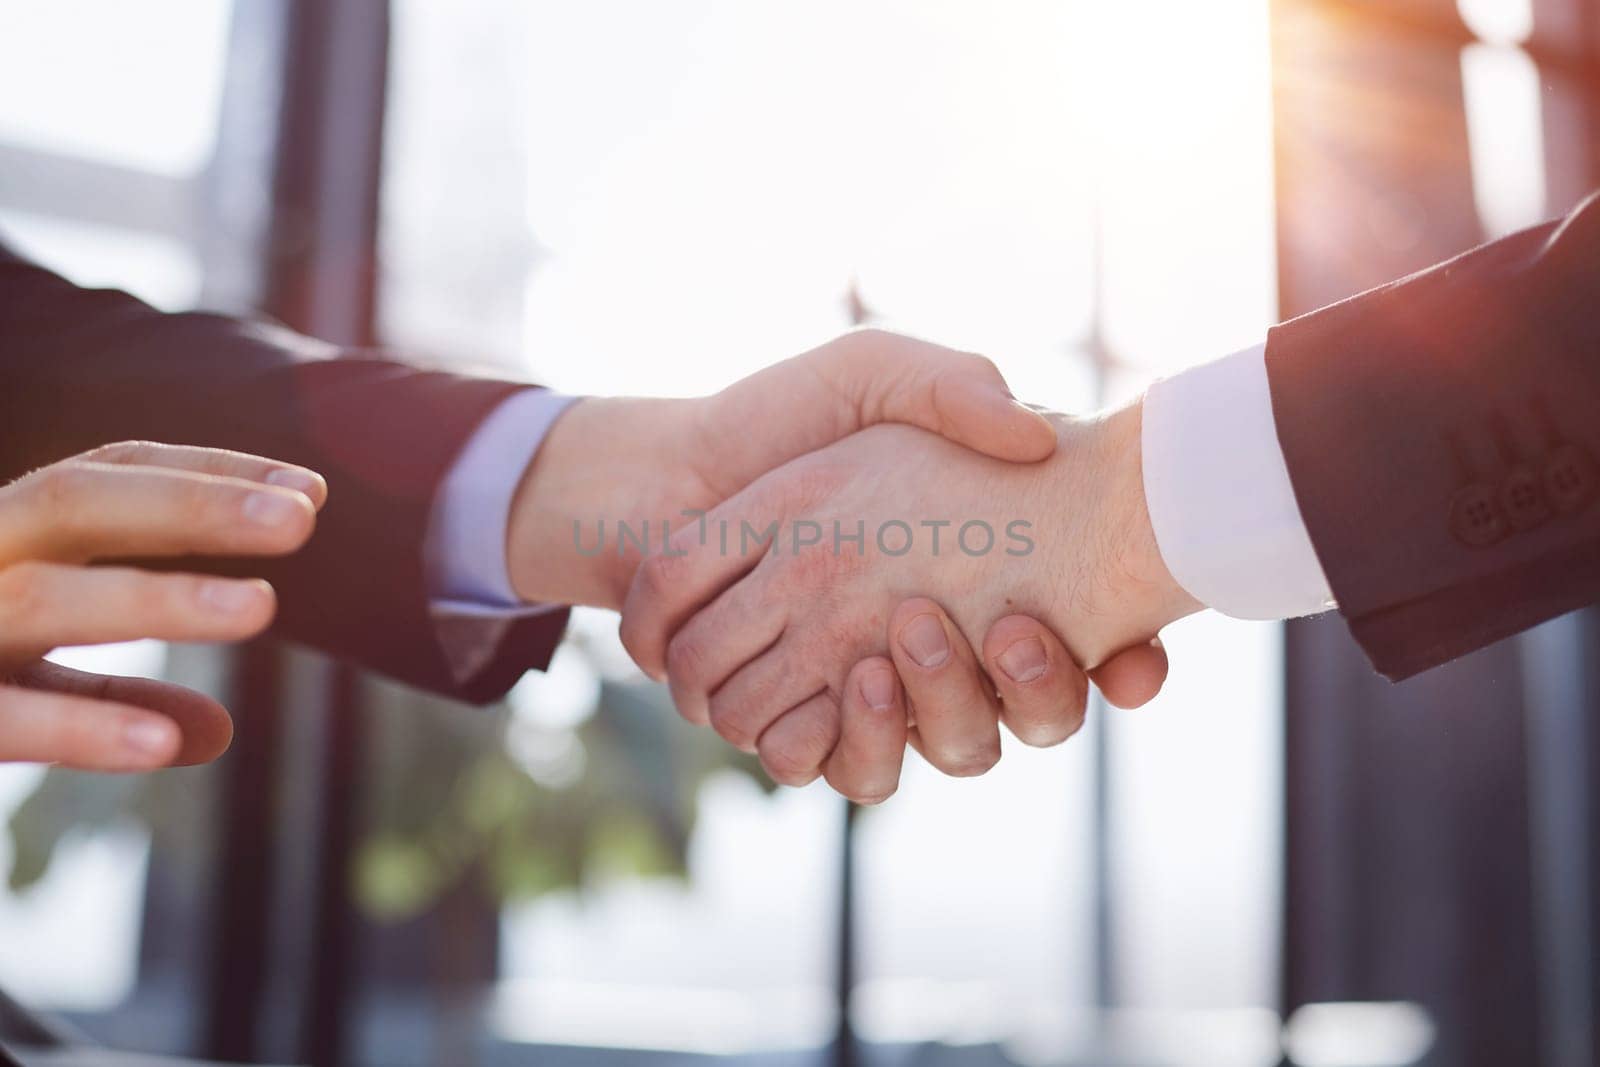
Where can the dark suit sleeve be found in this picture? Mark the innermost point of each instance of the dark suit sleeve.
(81, 368)
(1441, 434)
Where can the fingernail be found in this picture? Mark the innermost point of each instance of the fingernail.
(230, 597)
(147, 737)
(270, 509)
(877, 689)
(924, 641)
(300, 481)
(1024, 660)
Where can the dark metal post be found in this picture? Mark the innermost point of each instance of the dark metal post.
(320, 279)
(246, 869)
(1102, 363)
(324, 282)
(1558, 694)
(844, 1037)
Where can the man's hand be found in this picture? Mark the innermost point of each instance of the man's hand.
(1024, 671)
(132, 500)
(761, 643)
(646, 462)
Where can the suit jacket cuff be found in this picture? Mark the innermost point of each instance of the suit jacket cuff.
(474, 606)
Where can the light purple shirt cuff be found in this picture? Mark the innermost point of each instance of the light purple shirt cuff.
(465, 549)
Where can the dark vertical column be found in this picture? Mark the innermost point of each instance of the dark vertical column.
(225, 972)
(324, 282)
(1105, 984)
(242, 908)
(321, 267)
(328, 1004)
(1406, 853)
(325, 199)
(1559, 697)
(1562, 657)
(232, 200)
(845, 1048)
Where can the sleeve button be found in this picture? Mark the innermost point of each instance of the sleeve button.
(1475, 516)
(1522, 497)
(1569, 478)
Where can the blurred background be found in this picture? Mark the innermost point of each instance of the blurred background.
(1281, 860)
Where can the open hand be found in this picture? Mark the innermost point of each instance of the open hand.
(129, 500)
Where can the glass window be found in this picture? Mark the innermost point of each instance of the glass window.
(633, 197)
(135, 85)
(100, 917)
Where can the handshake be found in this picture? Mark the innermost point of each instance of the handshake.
(868, 545)
(822, 587)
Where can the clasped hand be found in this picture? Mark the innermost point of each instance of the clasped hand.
(851, 630)
(825, 655)
(786, 613)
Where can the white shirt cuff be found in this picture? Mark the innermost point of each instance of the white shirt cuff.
(1218, 491)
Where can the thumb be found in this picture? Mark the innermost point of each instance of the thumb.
(975, 408)
(866, 377)
(1133, 676)
(204, 724)
(958, 395)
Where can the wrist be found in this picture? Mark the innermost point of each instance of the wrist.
(1113, 571)
(605, 461)
(1155, 597)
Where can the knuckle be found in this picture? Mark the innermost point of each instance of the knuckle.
(88, 738)
(24, 590)
(868, 337)
(1047, 731)
(65, 738)
(794, 752)
(197, 499)
(642, 637)
(788, 765)
(121, 452)
(658, 577)
(176, 594)
(632, 633)
(686, 663)
(691, 708)
(969, 762)
(866, 793)
(61, 489)
(979, 364)
(732, 724)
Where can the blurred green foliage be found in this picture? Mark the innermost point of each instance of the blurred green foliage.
(449, 793)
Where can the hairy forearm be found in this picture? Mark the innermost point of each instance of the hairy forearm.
(1097, 576)
(1130, 583)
